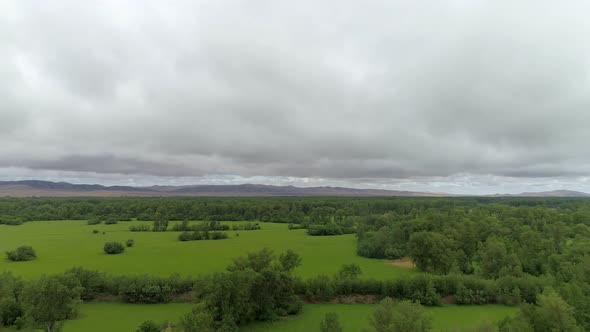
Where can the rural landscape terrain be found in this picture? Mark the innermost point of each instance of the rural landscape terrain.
(294, 166)
(295, 263)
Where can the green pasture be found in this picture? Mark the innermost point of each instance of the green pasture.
(354, 317)
(64, 244)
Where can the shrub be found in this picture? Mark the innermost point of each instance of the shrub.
(140, 228)
(113, 248)
(148, 326)
(330, 323)
(95, 231)
(129, 243)
(93, 221)
(11, 221)
(22, 253)
(110, 222)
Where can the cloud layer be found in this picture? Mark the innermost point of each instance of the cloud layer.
(375, 92)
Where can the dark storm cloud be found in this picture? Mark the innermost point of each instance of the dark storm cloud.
(332, 90)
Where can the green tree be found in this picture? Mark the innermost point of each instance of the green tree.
(22, 253)
(349, 271)
(432, 252)
(50, 300)
(289, 260)
(330, 323)
(199, 319)
(404, 316)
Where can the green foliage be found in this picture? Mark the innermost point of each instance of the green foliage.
(50, 300)
(330, 323)
(129, 243)
(257, 287)
(113, 248)
(148, 326)
(22, 253)
(349, 271)
(199, 319)
(432, 252)
(140, 228)
(402, 316)
(110, 222)
(93, 221)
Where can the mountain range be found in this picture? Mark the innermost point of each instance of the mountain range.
(31, 188)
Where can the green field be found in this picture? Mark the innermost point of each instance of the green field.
(126, 317)
(63, 244)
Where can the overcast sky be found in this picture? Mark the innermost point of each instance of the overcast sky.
(460, 96)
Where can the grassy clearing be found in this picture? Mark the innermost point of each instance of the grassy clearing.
(354, 317)
(63, 244)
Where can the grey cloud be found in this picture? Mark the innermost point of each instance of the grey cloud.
(337, 90)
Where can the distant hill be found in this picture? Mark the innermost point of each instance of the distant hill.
(554, 193)
(30, 188)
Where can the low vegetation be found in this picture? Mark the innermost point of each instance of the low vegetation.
(22, 253)
(113, 248)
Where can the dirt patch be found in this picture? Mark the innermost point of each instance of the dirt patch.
(355, 299)
(404, 263)
(448, 300)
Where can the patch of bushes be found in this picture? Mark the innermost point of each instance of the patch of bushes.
(110, 222)
(95, 231)
(249, 226)
(22, 253)
(129, 243)
(113, 248)
(93, 221)
(324, 230)
(140, 228)
(11, 221)
(202, 235)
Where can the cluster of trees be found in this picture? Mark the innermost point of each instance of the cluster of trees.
(311, 210)
(39, 304)
(249, 226)
(22, 253)
(202, 235)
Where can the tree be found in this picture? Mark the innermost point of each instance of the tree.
(495, 259)
(349, 271)
(50, 300)
(289, 260)
(330, 323)
(553, 313)
(199, 319)
(22, 253)
(403, 316)
(432, 252)
(112, 248)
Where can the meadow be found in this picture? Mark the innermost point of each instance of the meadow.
(354, 317)
(61, 245)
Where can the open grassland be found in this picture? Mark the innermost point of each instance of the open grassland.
(64, 244)
(354, 317)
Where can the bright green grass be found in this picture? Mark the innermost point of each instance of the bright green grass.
(63, 244)
(354, 317)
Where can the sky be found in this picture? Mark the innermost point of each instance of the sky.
(457, 96)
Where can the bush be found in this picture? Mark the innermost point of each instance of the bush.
(148, 326)
(129, 243)
(11, 221)
(93, 221)
(110, 222)
(95, 231)
(22, 253)
(112, 248)
(202, 235)
(324, 230)
(140, 228)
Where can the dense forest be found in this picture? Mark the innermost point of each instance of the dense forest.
(514, 251)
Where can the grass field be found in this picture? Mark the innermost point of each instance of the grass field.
(63, 244)
(126, 317)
